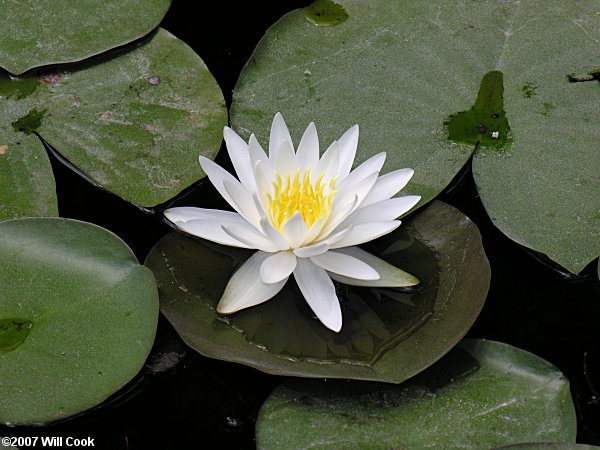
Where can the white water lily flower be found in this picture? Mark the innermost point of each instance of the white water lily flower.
(304, 215)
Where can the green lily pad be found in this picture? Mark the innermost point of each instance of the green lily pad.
(28, 188)
(403, 71)
(388, 334)
(481, 395)
(78, 316)
(37, 34)
(548, 446)
(134, 122)
(543, 191)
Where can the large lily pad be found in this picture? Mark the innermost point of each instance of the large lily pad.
(40, 33)
(403, 70)
(78, 316)
(482, 395)
(388, 334)
(134, 122)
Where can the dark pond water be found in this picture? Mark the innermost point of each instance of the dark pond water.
(182, 400)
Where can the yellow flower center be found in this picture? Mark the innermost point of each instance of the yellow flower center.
(312, 201)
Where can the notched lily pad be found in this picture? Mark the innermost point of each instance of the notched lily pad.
(78, 316)
(134, 122)
(483, 394)
(382, 327)
(37, 34)
(401, 70)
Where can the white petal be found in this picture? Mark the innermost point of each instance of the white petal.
(369, 167)
(388, 185)
(319, 292)
(294, 230)
(328, 164)
(217, 175)
(212, 230)
(338, 214)
(186, 213)
(307, 154)
(245, 287)
(366, 232)
(389, 275)
(242, 201)
(279, 135)
(345, 265)
(383, 211)
(240, 158)
(263, 184)
(335, 237)
(342, 207)
(272, 234)
(258, 154)
(348, 143)
(250, 236)
(311, 250)
(277, 267)
(286, 159)
(313, 232)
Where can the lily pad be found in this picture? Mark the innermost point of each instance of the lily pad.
(388, 334)
(28, 188)
(481, 395)
(38, 34)
(133, 122)
(548, 446)
(78, 316)
(402, 71)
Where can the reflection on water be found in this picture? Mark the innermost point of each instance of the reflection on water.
(375, 319)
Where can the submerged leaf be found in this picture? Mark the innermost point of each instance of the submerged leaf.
(382, 326)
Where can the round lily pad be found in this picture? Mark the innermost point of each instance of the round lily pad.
(388, 334)
(41, 33)
(134, 122)
(78, 316)
(483, 394)
(409, 74)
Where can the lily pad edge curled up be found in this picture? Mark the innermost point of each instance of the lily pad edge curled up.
(305, 215)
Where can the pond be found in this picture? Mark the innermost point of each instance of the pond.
(182, 399)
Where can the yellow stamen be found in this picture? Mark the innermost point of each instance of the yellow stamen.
(311, 200)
